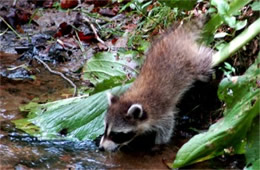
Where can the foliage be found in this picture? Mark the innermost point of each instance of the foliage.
(255, 6)
(180, 4)
(238, 42)
(78, 118)
(253, 145)
(106, 65)
(225, 15)
(223, 8)
(81, 118)
(228, 69)
(160, 16)
(242, 99)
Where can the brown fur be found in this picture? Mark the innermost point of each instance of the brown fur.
(173, 63)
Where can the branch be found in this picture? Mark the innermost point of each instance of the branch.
(58, 73)
(94, 30)
(9, 26)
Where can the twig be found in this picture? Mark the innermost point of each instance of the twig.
(80, 45)
(9, 26)
(58, 73)
(4, 32)
(94, 30)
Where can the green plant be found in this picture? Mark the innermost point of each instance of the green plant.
(242, 103)
(228, 70)
(81, 118)
(225, 14)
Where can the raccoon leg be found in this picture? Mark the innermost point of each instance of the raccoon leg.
(164, 129)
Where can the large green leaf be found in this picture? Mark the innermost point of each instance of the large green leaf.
(241, 95)
(253, 146)
(106, 65)
(82, 117)
(255, 6)
(76, 118)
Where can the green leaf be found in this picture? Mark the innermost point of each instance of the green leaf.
(255, 6)
(217, 19)
(212, 10)
(181, 4)
(233, 23)
(110, 83)
(241, 95)
(105, 65)
(230, 20)
(221, 5)
(238, 42)
(240, 89)
(240, 24)
(253, 145)
(255, 165)
(220, 35)
(220, 45)
(77, 118)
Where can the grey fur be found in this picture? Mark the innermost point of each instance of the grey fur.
(173, 63)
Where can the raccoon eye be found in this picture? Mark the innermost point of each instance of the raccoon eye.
(120, 137)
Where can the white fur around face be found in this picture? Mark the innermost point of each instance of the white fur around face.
(146, 126)
(109, 97)
(108, 145)
(132, 109)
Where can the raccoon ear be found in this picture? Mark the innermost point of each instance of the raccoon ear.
(135, 111)
(111, 98)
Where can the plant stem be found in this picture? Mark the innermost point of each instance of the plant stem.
(244, 37)
(9, 26)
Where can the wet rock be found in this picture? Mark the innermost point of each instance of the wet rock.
(16, 74)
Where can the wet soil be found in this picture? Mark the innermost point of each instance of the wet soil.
(18, 150)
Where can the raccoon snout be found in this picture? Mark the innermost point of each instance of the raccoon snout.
(101, 148)
(107, 145)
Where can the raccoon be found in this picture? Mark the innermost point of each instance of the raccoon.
(173, 62)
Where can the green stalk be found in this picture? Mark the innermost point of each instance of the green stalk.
(212, 25)
(9, 26)
(240, 40)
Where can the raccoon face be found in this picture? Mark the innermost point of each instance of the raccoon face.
(122, 123)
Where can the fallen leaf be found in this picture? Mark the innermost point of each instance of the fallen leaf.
(65, 4)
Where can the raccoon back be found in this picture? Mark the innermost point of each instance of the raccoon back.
(174, 61)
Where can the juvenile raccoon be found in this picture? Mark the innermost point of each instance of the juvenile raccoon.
(172, 64)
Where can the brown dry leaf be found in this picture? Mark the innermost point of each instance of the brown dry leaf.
(69, 42)
(149, 8)
(65, 4)
(98, 3)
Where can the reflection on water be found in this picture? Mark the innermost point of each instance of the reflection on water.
(27, 151)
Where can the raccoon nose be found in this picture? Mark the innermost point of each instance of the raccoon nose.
(101, 148)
